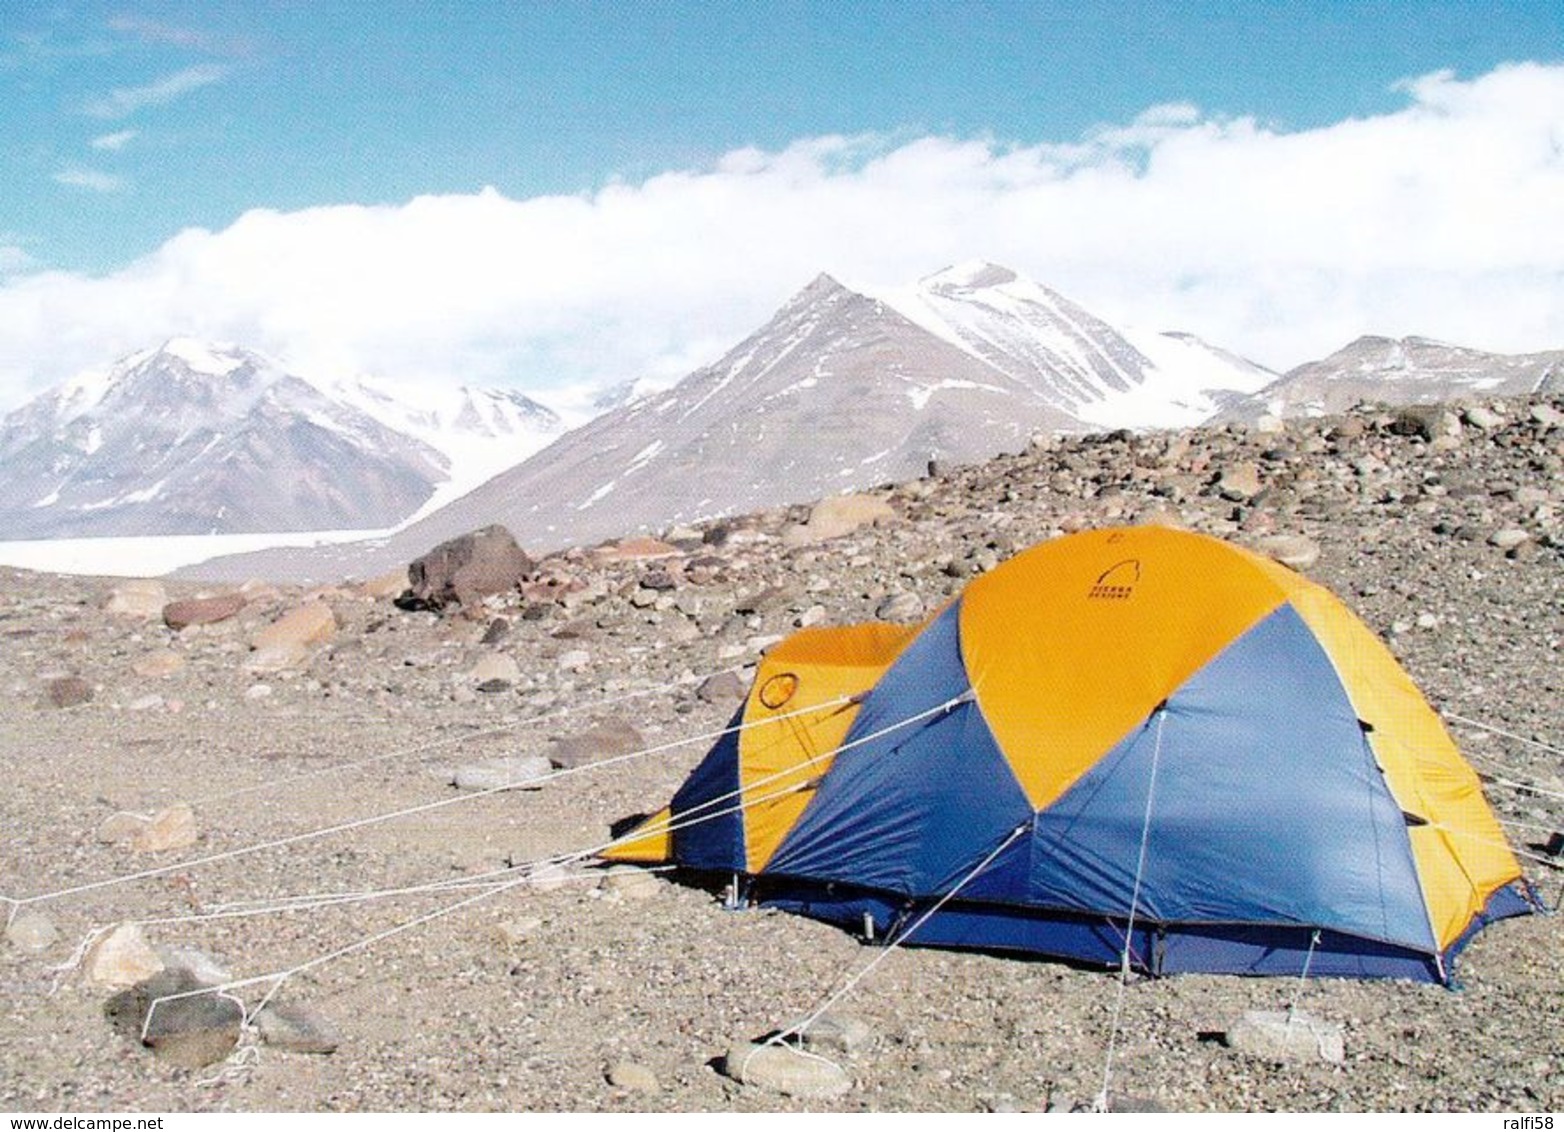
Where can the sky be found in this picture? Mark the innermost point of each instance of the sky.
(556, 196)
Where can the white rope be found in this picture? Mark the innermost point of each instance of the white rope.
(466, 737)
(425, 807)
(277, 978)
(1308, 959)
(1129, 926)
(1552, 862)
(1481, 726)
(802, 1027)
(1529, 787)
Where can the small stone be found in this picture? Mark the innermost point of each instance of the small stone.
(179, 615)
(171, 828)
(518, 930)
(122, 828)
(391, 584)
(1547, 416)
(721, 688)
(900, 607)
(67, 692)
(1509, 538)
(1294, 551)
(1481, 417)
(1280, 1035)
(631, 883)
(145, 703)
(783, 1069)
(497, 631)
(122, 958)
(502, 774)
(838, 1033)
(495, 666)
(296, 1029)
(549, 878)
(257, 691)
(632, 1076)
(1427, 620)
(31, 931)
(1239, 482)
(164, 662)
(574, 660)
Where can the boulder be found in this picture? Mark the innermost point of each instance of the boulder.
(465, 570)
(501, 774)
(188, 1032)
(783, 1069)
(140, 599)
(296, 1029)
(722, 688)
(1282, 1035)
(66, 692)
(286, 642)
(902, 606)
(179, 615)
(838, 515)
(615, 737)
(170, 828)
(122, 958)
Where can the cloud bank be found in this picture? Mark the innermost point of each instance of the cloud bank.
(1444, 218)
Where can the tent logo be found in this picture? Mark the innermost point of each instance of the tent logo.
(1117, 582)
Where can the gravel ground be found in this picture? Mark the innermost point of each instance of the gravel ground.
(527, 999)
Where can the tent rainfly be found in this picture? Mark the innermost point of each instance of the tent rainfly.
(1137, 739)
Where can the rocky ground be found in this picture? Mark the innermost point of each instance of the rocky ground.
(271, 712)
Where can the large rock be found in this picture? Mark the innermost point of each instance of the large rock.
(188, 1032)
(171, 828)
(783, 1069)
(141, 599)
(467, 569)
(616, 737)
(838, 515)
(179, 615)
(296, 1029)
(122, 958)
(287, 642)
(501, 774)
(1281, 1035)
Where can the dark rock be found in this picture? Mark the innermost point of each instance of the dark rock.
(179, 615)
(721, 688)
(497, 631)
(606, 740)
(467, 569)
(67, 692)
(188, 1032)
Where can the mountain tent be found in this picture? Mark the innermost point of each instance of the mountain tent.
(1141, 718)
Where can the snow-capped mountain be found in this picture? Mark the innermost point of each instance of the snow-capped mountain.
(478, 432)
(1401, 371)
(839, 390)
(1067, 357)
(199, 438)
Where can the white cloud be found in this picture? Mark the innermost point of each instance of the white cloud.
(114, 142)
(1445, 218)
(125, 101)
(80, 177)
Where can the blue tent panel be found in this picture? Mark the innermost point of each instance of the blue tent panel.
(913, 810)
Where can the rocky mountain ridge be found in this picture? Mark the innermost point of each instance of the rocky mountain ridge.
(194, 437)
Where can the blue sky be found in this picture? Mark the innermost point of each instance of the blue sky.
(129, 132)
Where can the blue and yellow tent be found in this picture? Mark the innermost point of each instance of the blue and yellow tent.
(1139, 730)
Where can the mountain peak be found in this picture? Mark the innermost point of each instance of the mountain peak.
(971, 275)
